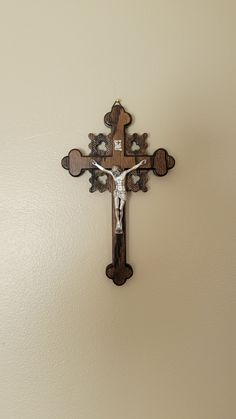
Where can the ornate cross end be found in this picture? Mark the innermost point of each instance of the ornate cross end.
(118, 163)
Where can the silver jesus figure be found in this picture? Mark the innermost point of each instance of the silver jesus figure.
(120, 193)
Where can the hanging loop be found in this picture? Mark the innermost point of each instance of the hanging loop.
(117, 102)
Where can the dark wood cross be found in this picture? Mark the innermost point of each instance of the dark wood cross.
(124, 151)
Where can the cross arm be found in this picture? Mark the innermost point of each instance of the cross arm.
(160, 162)
(76, 163)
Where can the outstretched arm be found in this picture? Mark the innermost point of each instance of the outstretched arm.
(134, 167)
(101, 167)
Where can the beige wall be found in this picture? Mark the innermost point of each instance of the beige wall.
(74, 346)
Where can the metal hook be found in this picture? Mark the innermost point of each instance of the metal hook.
(117, 102)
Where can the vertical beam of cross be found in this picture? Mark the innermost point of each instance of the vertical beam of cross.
(118, 152)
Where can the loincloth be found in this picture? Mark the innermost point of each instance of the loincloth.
(120, 195)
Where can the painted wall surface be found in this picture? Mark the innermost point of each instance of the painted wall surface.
(73, 345)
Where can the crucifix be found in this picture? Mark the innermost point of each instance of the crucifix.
(118, 163)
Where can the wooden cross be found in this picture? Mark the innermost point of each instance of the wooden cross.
(124, 151)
